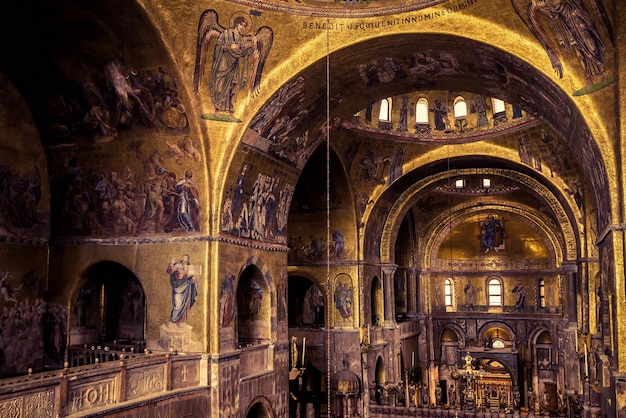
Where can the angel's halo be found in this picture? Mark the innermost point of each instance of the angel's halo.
(246, 16)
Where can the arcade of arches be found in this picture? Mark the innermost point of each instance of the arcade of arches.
(312, 208)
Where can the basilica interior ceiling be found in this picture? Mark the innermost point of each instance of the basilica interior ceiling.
(71, 52)
(107, 107)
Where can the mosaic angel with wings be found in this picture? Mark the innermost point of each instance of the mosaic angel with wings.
(573, 28)
(238, 60)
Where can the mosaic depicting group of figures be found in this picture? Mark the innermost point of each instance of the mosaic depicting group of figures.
(121, 202)
(568, 20)
(260, 213)
(317, 249)
(116, 98)
(32, 331)
(20, 195)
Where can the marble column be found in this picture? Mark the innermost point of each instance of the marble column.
(390, 301)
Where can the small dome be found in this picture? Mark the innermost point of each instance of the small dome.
(345, 383)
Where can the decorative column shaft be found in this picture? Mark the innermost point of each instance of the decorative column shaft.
(390, 300)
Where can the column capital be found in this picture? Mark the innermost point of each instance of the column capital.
(389, 269)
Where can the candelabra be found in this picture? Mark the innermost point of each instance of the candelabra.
(469, 375)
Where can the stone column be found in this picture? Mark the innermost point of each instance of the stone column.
(411, 292)
(390, 300)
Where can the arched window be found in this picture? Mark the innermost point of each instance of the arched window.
(460, 108)
(498, 106)
(421, 111)
(542, 292)
(497, 343)
(448, 292)
(384, 114)
(494, 292)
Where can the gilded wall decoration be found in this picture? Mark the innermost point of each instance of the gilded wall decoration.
(434, 64)
(384, 71)
(259, 213)
(395, 166)
(492, 234)
(441, 111)
(471, 295)
(528, 154)
(372, 166)
(317, 249)
(273, 128)
(20, 202)
(227, 301)
(116, 201)
(362, 201)
(237, 63)
(343, 296)
(12, 407)
(33, 336)
(184, 282)
(256, 319)
(33, 331)
(521, 293)
(597, 175)
(111, 97)
(281, 297)
(573, 28)
(254, 299)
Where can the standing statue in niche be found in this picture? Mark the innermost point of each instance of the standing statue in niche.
(184, 288)
(238, 60)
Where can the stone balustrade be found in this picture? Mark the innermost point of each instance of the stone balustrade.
(119, 384)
